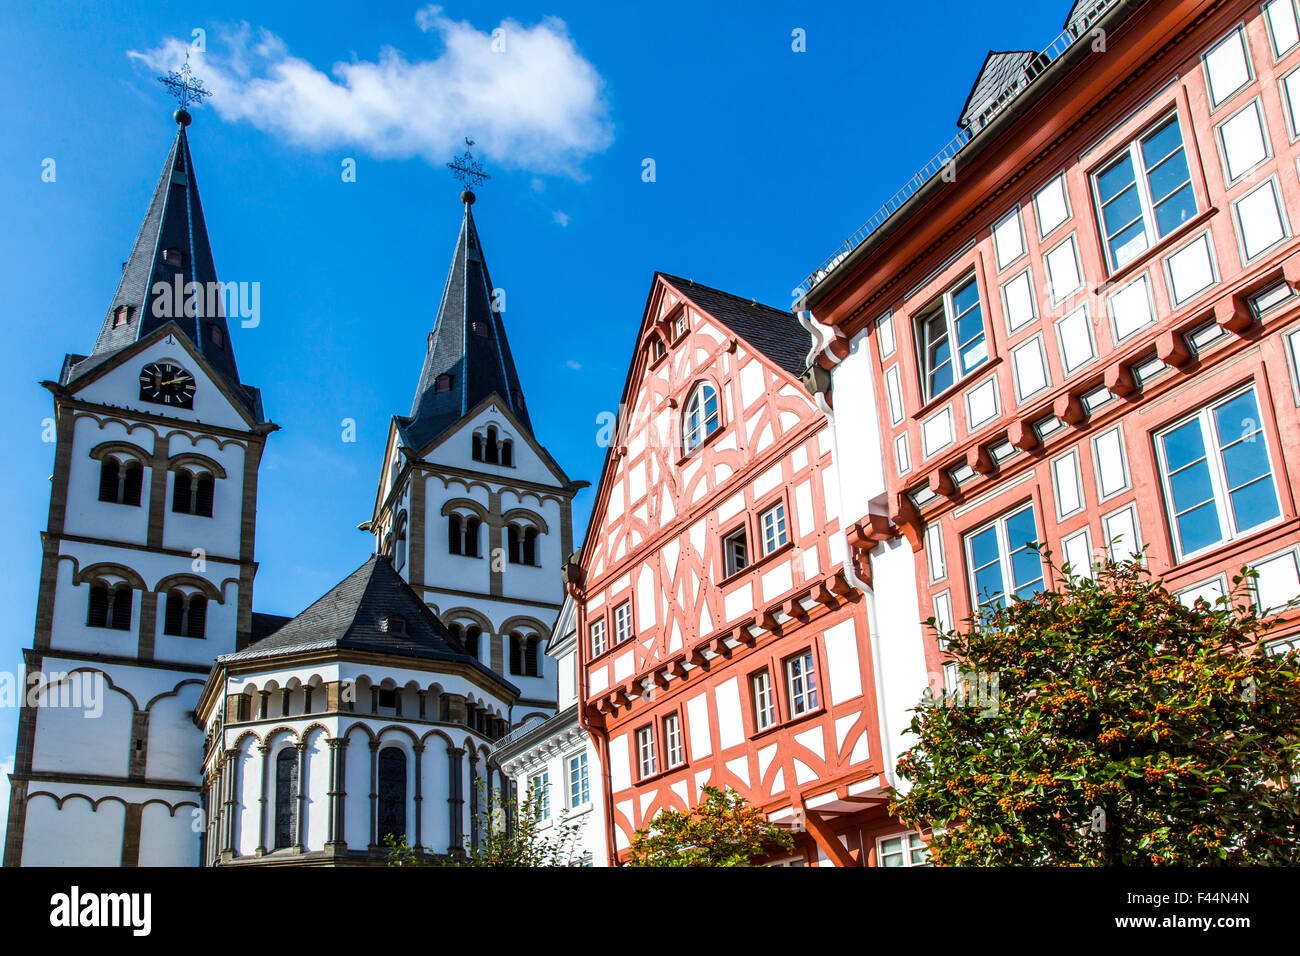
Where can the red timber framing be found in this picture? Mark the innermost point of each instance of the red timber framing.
(720, 641)
(1116, 344)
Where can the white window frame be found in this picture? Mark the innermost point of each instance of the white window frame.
(1133, 150)
(539, 785)
(1102, 493)
(1078, 485)
(1239, 31)
(731, 562)
(1060, 295)
(1143, 279)
(775, 532)
(1218, 479)
(1034, 341)
(1267, 6)
(1028, 276)
(1013, 213)
(943, 305)
(885, 335)
(801, 667)
(1134, 547)
(1290, 104)
(695, 435)
(909, 840)
(674, 742)
(1208, 240)
(764, 697)
(582, 785)
(1086, 534)
(1065, 193)
(1004, 554)
(1221, 141)
(1272, 183)
(647, 756)
(596, 635)
(622, 634)
(1066, 368)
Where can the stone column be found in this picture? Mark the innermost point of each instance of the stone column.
(229, 796)
(419, 797)
(473, 799)
(263, 800)
(424, 700)
(299, 836)
(455, 800)
(338, 794)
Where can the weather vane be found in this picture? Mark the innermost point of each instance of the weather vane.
(467, 170)
(186, 87)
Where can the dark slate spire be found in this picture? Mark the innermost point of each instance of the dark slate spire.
(172, 242)
(468, 343)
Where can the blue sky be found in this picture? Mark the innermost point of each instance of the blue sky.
(765, 159)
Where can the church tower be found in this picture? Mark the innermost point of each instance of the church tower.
(474, 512)
(147, 557)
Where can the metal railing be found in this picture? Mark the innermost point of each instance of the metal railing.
(1034, 67)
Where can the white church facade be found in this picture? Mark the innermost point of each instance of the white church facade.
(170, 724)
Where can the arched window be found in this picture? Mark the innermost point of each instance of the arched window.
(455, 534)
(476, 447)
(286, 797)
(110, 606)
(524, 651)
(508, 453)
(399, 550)
(462, 534)
(120, 482)
(471, 536)
(392, 793)
(185, 616)
(532, 662)
(192, 494)
(513, 544)
(701, 419)
(529, 549)
(521, 544)
(490, 449)
(472, 634)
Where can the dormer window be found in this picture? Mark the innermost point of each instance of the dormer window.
(442, 383)
(480, 329)
(216, 336)
(121, 316)
(657, 349)
(679, 325)
(394, 624)
(172, 257)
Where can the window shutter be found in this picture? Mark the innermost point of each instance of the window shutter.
(198, 618)
(120, 607)
(131, 486)
(174, 614)
(203, 496)
(97, 615)
(108, 470)
(181, 493)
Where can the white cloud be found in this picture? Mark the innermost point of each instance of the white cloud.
(525, 94)
(575, 365)
(561, 218)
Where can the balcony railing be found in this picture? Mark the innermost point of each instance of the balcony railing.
(1074, 31)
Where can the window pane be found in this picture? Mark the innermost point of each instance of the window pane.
(1176, 210)
(1021, 529)
(984, 548)
(1161, 143)
(1114, 180)
(1122, 211)
(1130, 243)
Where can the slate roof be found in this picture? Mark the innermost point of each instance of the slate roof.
(1001, 73)
(775, 333)
(479, 365)
(349, 617)
(173, 220)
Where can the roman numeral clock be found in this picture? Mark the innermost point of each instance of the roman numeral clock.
(166, 384)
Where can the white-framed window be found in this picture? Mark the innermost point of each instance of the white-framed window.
(1217, 474)
(647, 760)
(885, 334)
(956, 318)
(579, 780)
(801, 683)
(1283, 31)
(772, 522)
(623, 622)
(1002, 560)
(1191, 270)
(1074, 337)
(934, 552)
(1008, 238)
(1111, 463)
(735, 551)
(1067, 483)
(1131, 308)
(1259, 219)
(702, 417)
(1030, 364)
(1052, 205)
(1064, 276)
(1243, 142)
(1227, 68)
(902, 849)
(1209, 591)
(1144, 192)
(1122, 533)
(942, 603)
(539, 785)
(1018, 301)
(1278, 584)
(764, 700)
(674, 747)
(1076, 551)
(597, 633)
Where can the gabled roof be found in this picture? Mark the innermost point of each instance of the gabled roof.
(775, 333)
(479, 365)
(173, 220)
(351, 615)
(1001, 73)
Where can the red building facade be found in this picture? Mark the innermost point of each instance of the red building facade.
(1084, 329)
(721, 641)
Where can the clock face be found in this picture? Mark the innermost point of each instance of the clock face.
(166, 384)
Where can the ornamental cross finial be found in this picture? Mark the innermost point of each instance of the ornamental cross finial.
(466, 169)
(184, 85)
